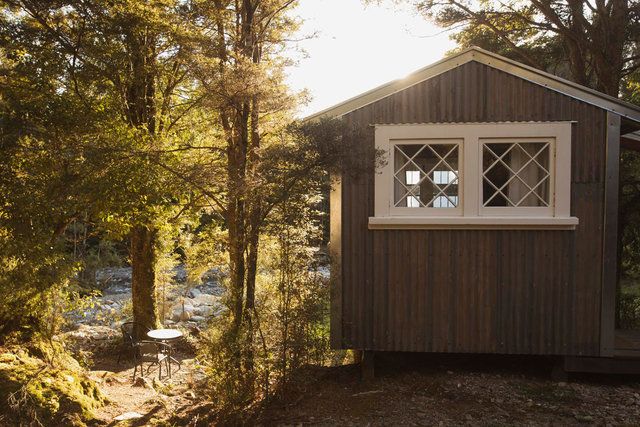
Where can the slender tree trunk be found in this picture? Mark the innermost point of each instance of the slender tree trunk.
(252, 267)
(236, 259)
(236, 213)
(252, 264)
(143, 276)
(253, 235)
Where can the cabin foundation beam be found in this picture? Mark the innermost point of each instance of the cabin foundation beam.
(602, 365)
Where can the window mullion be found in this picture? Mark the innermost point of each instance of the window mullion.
(468, 171)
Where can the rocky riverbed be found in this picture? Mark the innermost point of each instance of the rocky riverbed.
(178, 305)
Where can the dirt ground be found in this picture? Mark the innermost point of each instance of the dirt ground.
(408, 390)
(411, 390)
(148, 401)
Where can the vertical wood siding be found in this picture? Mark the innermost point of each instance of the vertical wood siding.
(484, 291)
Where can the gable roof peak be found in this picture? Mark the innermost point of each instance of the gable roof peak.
(493, 60)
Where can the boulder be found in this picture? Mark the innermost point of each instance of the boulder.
(178, 315)
(205, 299)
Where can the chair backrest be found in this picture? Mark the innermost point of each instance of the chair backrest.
(132, 332)
(146, 348)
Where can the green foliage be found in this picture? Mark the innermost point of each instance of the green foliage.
(290, 318)
(629, 305)
(202, 252)
(592, 45)
(293, 302)
(629, 214)
(99, 256)
(59, 304)
(126, 119)
(89, 136)
(230, 384)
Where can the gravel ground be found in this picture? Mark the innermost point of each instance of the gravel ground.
(463, 391)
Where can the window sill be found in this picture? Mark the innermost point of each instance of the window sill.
(472, 223)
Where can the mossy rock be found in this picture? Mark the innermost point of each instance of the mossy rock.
(53, 352)
(31, 389)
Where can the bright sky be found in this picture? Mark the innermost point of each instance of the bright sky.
(358, 48)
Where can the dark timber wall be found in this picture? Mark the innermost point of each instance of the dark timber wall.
(484, 291)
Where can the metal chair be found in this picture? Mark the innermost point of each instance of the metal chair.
(154, 353)
(132, 333)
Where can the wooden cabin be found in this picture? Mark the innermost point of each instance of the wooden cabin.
(491, 225)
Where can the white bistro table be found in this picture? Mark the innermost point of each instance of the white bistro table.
(166, 335)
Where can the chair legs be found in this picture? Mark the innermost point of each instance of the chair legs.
(155, 353)
(124, 349)
(151, 364)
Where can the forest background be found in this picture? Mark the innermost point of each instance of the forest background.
(161, 132)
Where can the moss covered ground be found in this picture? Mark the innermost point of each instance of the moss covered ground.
(33, 391)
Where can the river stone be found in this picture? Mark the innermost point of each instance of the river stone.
(128, 416)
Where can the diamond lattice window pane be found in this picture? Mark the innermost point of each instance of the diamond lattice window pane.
(426, 175)
(516, 174)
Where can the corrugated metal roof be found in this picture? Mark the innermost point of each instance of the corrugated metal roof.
(526, 72)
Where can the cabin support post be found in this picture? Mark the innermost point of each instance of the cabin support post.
(335, 253)
(558, 372)
(367, 365)
(610, 237)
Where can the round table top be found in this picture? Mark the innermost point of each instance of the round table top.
(164, 334)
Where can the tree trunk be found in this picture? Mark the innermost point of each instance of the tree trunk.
(253, 230)
(252, 267)
(609, 33)
(143, 276)
(235, 224)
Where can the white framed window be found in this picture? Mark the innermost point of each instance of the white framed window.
(517, 176)
(484, 175)
(425, 175)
